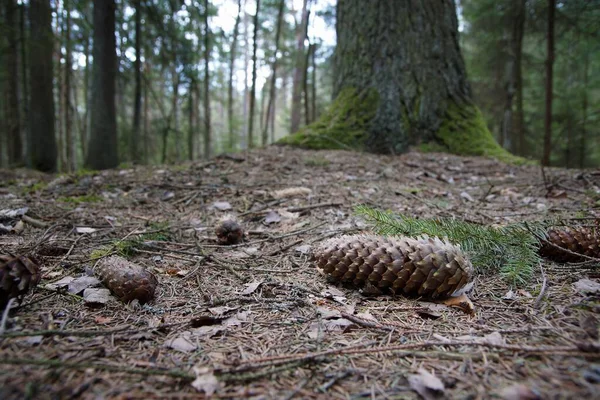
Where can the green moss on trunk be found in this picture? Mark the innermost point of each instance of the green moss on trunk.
(343, 126)
(465, 132)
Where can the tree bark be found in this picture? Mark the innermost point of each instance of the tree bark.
(244, 135)
(102, 148)
(191, 119)
(24, 73)
(254, 69)
(207, 126)
(70, 143)
(175, 82)
(313, 99)
(231, 69)
(12, 114)
(270, 106)
(519, 125)
(134, 150)
(305, 84)
(549, 76)
(584, 109)
(43, 151)
(407, 53)
(299, 68)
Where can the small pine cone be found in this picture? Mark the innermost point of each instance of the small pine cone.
(126, 280)
(427, 267)
(229, 232)
(580, 240)
(17, 275)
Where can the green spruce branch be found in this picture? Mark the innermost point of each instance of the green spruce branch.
(510, 250)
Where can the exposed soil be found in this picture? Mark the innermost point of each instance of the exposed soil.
(256, 320)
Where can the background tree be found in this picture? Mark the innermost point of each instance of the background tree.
(42, 143)
(11, 102)
(102, 149)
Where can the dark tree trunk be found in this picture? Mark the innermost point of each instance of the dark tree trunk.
(146, 115)
(549, 76)
(518, 33)
(270, 106)
(584, 109)
(13, 119)
(299, 67)
(207, 127)
(407, 51)
(24, 72)
(305, 84)
(191, 119)
(43, 151)
(231, 69)
(102, 149)
(137, 100)
(70, 143)
(253, 89)
(174, 126)
(313, 100)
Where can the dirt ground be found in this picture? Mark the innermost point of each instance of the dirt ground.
(256, 320)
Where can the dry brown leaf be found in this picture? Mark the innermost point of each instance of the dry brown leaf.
(96, 297)
(181, 343)
(427, 385)
(291, 192)
(519, 391)
(251, 287)
(205, 381)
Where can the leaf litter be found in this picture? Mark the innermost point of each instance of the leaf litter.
(256, 319)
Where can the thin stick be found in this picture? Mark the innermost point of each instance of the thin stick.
(5, 315)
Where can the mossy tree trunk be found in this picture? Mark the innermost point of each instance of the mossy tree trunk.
(407, 50)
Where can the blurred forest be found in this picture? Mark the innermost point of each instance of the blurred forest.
(191, 79)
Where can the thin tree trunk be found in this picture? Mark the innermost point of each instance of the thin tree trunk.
(244, 132)
(134, 151)
(61, 88)
(305, 85)
(207, 127)
(549, 65)
(146, 114)
(191, 119)
(231, 69)
(67, 103)
(313, 103)
(43, 151)
(13, 119)
(584, 109)
(519, 125)
(299, 69)
(24, 73)
(175, 83)
(254, 69)
(86, 93)
(270, 105)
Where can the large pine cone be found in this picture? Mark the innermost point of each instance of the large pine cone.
(427, 267)
(580, 240)
(126, 280)
(17, 275)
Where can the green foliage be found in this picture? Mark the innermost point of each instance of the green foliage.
(88, 198)
(343, 126)
(128, 247)
(316, 161)
(510, 250)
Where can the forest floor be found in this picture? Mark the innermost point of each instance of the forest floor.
(257, 320)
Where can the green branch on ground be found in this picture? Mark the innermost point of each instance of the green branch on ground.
(511, 250)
